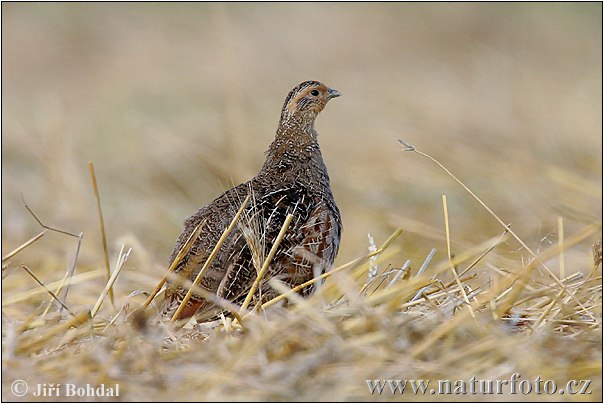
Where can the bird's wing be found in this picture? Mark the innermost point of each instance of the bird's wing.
(213, 219)
(308, 248)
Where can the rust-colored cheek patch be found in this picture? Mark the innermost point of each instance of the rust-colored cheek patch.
(293, 104)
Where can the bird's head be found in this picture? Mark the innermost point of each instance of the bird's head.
(306, 100)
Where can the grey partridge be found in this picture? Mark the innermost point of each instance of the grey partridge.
(292, 180)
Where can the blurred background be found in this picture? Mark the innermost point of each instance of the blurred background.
(174, 103)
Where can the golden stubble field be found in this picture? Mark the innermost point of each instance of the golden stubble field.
(174, 103)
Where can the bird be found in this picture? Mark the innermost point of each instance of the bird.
(293, 180)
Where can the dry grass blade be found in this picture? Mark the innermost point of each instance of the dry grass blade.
(484, 254)
(70, 271)
(422, 269)
(399, 273)
(538, 293)
(37, 237)
(453, 270)
(37, 343)
(224, 304)
(31, 212)
(447, 234)
(396, 295)
(426, 262)
(266, 263)
(68, 275)
(23, 246)
(183, 251)
(102, 226)
(76, 279)
(121, 259)
(561, 245)
(47, 290)
(208, 262)
(435, 294)
(546, 311)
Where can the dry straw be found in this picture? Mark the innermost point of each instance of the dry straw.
(471, 312)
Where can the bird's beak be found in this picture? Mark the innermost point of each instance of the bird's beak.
(331, 93)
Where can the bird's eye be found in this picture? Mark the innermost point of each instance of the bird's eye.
(314, 93)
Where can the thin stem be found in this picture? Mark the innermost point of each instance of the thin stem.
(267, 261)
(102, 226)
(181, 253)
(447, 234)
(23, 246)
(48, 290)
(42, 224)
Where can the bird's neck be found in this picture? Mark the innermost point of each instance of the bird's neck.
(295, 146)
(300, 127)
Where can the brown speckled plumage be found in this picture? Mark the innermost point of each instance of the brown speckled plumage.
(293, 180)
